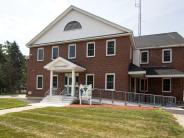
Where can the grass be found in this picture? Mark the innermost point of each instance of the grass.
(89, 122)
(6, 103)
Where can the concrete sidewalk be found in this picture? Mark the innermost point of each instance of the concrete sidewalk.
(29, 107)
(180, 119)
(18, 109)
(178, 113)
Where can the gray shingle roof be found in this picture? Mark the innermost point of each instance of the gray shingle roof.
(159, 40)
(162, 71)
(133, 68)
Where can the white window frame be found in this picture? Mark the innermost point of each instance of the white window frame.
(55, 75)
(114, 40)
(144, 86)
(163, 50)
(93, 79)
(70, 45)
(38, 54)
(37, 82)
(147, 57)
(106, 74)
(52, 51)
(163, 85)
(87, 49)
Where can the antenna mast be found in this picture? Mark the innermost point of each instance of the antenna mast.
(138, 4)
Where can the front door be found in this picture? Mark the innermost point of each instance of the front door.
(68, 83)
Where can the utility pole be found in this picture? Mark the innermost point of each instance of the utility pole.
(138, 4)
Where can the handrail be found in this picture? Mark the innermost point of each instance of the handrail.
(62, 92)
(46, 93)
(131, 92)
(136, 97)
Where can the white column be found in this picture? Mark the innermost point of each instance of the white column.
(73, 82)
(51, 81)
(135, 85)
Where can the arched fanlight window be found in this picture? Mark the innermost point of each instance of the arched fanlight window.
(72, 26)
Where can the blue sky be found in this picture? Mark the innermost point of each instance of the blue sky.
(21, 20)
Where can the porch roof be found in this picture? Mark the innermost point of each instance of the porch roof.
(62, 65)
(159, 72)
(154, 72)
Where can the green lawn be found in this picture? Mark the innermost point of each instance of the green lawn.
(6, 103)
(89, 122)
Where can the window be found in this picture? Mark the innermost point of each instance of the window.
(72, 26)
(166, 56)
(110, 81)
(55, 52)
(55, 81)
(143, 85)
(72, 51)
(39, 82)
(90, 79)
(110, 47)
(144, 57)
(40, 54)
(166, 85)
(90, 50)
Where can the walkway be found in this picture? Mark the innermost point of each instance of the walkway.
(18, 109)
(178, 113)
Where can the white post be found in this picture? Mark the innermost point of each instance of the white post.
(135, 85)
(73, 82)
(51, 81)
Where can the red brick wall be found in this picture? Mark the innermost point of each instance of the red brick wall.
(98, 65)
(155, 59)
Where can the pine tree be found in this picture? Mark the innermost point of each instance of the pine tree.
(15, 65)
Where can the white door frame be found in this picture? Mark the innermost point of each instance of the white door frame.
(70, 84)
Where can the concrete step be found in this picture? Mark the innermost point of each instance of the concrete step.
(58, 99)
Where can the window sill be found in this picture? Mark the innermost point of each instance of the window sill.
(166, 91)
(110, 55)
(167, 62)
(109, 90)
(39, 88)
(90, 56)
(144, 62)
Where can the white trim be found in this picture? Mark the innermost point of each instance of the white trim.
(52, 52)
(167, 46)
(62, 65)
(55, 75)
(93, 79)
(145, 80)
(107, 41)
(147, 57)
(81, 39)
(136, 72)
(87, 49)
(162, 76)
(37, 82)
(70, 45)
(106, 74)
(38, 55)
(163, 85)
(61, 16)
(163, 50)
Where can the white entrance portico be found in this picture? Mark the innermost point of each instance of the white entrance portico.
(62, 65)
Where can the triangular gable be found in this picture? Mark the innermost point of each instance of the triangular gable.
(92, 26)
(61, 64)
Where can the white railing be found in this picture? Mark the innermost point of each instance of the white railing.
(139, 98)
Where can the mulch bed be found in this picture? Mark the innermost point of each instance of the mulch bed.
(114, 107)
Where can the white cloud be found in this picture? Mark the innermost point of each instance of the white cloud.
(21, 20)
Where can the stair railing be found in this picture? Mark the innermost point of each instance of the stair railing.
(46, 93)
(63, 91)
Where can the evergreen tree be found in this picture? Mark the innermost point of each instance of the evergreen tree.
(15, 67)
